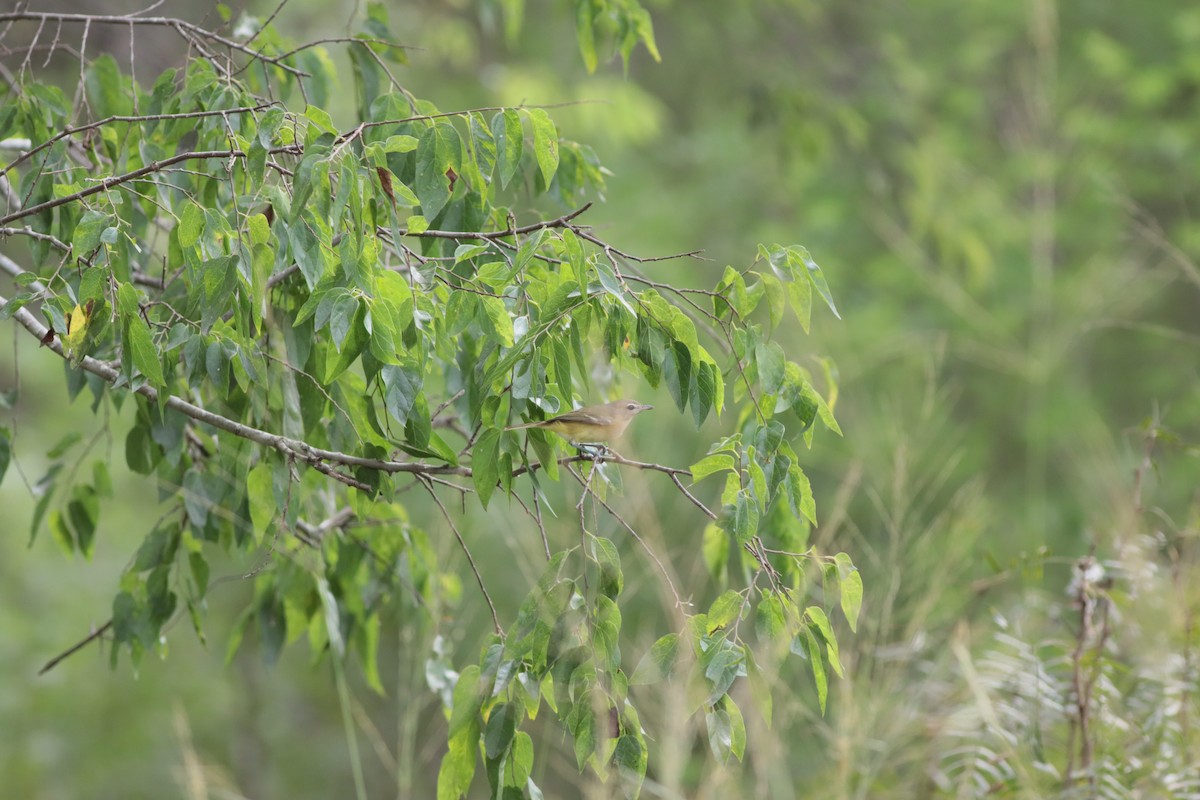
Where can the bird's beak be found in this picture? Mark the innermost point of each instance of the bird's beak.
(646, 407)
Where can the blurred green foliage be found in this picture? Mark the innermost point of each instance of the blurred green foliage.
(1001, 195)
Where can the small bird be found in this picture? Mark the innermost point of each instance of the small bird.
(591, 424)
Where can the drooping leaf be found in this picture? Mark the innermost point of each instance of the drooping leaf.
(851, 585)
(261, 495)
(545, 143)
(143, 352)
(510, 142)
(659, 661)
(485, 467)
(438, 151)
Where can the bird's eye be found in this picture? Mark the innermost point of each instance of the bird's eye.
(631, 406)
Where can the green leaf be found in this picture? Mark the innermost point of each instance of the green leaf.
(704, 391)
(659, 661)
(606, 634)
(44, 491)
(199, 566)
(629, 757)
(510, 141)
(106, 90)
(737, 727)
(332, 617)
(142, 350)
(82, 511)
(758, 480)
(127, 300)
(400, 144)
(799, 494)
(814, 275)
(545, 143)
(724, 610)
(382, 321)
(401, 386)
(157, 549)
(817, 666)
(87, 233)
(710, 465)
(677, 372)
(800, 299)
(583, 729)
(439, 151)
(776, 298)
(612, 285)
(741, 517)
(500, 730)
(467, 699)
(261, 496)
(341, 318)
(337, 362)
(458, 765)
(60, 533)
(485, 466)
(769, 621)
(818, 619)
(771, 364)
(824, 412)
(483, 148)
(715, 549)
(604, 553)
(5, 450)
(723, 667)
(466, 251)
(500, 323)
(306, 249)
(191, 225)
(521, 759)
(760, 690)
(302, 185)
(850, 582)
(585, 33)
(720, 733)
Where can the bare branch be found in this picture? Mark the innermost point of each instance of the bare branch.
(189, 31)
(75, 648)
(467, 552)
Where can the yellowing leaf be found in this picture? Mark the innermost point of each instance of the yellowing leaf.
(77, 327)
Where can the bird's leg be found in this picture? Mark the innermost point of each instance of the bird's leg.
(591, 450)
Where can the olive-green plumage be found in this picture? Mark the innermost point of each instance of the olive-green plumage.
(591, 424)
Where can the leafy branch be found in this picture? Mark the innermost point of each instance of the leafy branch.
(277, 291)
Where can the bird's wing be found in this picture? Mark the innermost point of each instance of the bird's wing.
(583, 416)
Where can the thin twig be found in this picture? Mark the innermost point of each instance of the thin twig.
(185, 29)
(75, 648)
(116, 180)
(467, 552)
(679, 603)
(71, 130)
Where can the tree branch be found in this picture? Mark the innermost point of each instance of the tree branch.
(75, 648)
(71, 130)
(314, 532)
(116, 180)
(182, 27)
(315, 457)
